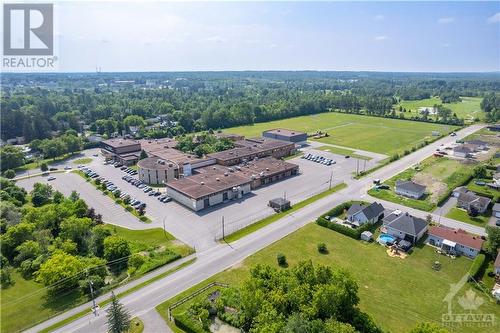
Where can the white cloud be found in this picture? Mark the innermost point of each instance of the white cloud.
(446, 44)
(495, 18)
(380, 38)
(446, 20)
(379, 17)
(213, 39)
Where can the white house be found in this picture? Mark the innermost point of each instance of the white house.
(455, 241)
(360, 214)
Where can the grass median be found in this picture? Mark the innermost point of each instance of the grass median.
(275, 217)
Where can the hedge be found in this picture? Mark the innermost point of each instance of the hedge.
(188, 324)
(475, 268)
(350, 232)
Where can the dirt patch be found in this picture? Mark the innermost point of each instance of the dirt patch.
(239, 264)
(435, 187)
(160, 249)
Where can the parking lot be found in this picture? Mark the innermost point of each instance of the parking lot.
(200, 229)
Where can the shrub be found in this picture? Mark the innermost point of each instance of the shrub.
(118, 201)
(143, 218)
(97, 181)
(9, 174)
(44, 167)
(281, 259)
(476, 266)
(322, 248)
(188, 324)
(129, 208)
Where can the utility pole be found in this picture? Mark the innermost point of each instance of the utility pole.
(164, 231)
(357, 166)
(94, 307)
(331, 176)
(223, 233)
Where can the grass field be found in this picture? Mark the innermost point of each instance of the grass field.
(343, 152)
(439, 174)
(379, 135)
(461, 215)
(397, 293)
(468, 109)
(84, 160)
(28, 294)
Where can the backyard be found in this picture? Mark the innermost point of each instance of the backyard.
(379, 135)
(462, 215)
(28, 294)
(387, 286)
(439, 174)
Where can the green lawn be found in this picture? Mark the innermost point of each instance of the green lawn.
(397, 293)
(84, 160)
(28, 294)
(484, 190)
(343, 152)
(461, 215)
(439, 174)
(468, 109)
(380, 135)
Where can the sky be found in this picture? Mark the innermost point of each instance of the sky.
(212, 36)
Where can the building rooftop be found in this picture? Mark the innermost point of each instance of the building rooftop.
(406, 223)
(155, 163)
(409, 185)
(462, 149)
(248, 147)
(119, 142)
(165, 149)
(207, 183)
(284, 132)
(371, 211)
(458, 236)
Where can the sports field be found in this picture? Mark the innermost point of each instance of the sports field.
(468, 109)
(379, 135)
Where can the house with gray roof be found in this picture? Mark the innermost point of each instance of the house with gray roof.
(478, 144)
(462, 151)
(468, 199)
(409, 189)
(405, 226)
(360, 214)
(496, 210)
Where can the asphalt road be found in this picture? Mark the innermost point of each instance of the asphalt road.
(220, 257)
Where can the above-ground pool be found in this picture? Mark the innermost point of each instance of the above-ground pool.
(385, 238)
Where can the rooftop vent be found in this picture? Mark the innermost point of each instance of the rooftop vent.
(225, 174)
(267, 169)
(217, 179)
(202, 183)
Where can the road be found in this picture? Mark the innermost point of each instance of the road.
(221, 257)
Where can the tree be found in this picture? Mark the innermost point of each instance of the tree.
(99, 233)
(280, 257)
(143, 155)
(473, 211)
(492, 244)
(11, 157)
(9, 173)
(41, 194)
(77, 230)
(116, 252)
(44, 167)
(60, 272)
(480, 171)
(118, 316)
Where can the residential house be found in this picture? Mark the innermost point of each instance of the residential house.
(469, 199)
(496, 210)
(462, 151)
(360, 214)
(404, 226)
(455, 241)
(409, 189)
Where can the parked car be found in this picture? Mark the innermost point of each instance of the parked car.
(51, 178)
(52, 169)
(166, 199)
(479, 182)
(497, 223)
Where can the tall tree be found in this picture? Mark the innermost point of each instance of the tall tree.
(118, 316)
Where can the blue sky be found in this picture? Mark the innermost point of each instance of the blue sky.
(376, 36)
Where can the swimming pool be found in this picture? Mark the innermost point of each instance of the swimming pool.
(385, 238)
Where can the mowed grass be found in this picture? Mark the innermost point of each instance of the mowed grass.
(26, 303)
(379, 135)
(462, 215)
(469, 108)
(397, 293)
(343, 152)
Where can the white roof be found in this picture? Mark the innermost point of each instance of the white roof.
(449, 243)
(367, 233)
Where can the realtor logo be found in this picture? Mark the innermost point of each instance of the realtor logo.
(28, 29)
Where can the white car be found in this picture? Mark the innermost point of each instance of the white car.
(51, 178)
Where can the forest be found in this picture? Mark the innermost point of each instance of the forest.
(38, 106)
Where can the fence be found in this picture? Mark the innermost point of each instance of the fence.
(193, 295)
